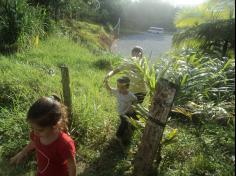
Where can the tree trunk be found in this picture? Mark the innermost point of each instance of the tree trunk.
(150, 143)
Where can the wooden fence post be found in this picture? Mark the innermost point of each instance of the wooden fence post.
(158, 113)
(66, 91)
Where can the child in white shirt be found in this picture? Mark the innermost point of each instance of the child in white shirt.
(125, 99)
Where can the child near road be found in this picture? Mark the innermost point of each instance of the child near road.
(137, 84)
(125, 99)
(55, 149)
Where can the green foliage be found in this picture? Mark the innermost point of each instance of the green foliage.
(101, 11)
(206, 91)
(203, 73)
(94, 110)
(198, 151)
(23, 23)
(20, 24)
(209, 27)
(91, 35)
(210, 11)
(95, 118)
(208, 40)
(205, 85)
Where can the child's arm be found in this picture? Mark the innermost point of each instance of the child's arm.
(71, 166)
(107, 86)
(113, 72)
(120, 68)
(22, 154)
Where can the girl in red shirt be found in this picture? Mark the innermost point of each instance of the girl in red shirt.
(55, 150)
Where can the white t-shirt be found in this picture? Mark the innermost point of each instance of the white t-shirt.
(124, 102)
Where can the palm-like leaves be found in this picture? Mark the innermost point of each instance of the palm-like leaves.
(206, 82)
(208, 36)
(190, 17)
(205, 13)
(208, 27)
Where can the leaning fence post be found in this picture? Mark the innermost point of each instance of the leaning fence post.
(158, 113)
(67, 92)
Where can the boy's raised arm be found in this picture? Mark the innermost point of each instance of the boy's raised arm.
(122, 67)
(107, 86)
(111, 73)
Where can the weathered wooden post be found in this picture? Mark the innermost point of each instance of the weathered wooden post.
(66, 91)
(158, 113)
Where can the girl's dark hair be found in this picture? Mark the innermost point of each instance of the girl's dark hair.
(47, 112)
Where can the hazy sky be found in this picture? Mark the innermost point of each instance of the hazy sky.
(182, 2)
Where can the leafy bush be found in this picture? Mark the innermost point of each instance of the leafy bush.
(20, 25)
(210, 27)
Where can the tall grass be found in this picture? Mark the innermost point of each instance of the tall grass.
(20, 25)
(27, 76)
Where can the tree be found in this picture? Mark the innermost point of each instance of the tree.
(143, 14)
(209, 27)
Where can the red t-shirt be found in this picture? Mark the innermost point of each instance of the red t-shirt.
(52, 158)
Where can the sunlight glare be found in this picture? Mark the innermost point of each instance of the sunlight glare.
(180, 2)
(184, 2)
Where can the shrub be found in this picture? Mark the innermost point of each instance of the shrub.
(20, 25)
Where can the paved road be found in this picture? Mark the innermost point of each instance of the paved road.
(154, 45)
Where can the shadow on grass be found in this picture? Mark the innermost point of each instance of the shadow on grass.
(109, 162)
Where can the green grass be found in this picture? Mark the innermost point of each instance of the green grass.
(24, 77)
(93, 36)
(27, 76)
(204, 149)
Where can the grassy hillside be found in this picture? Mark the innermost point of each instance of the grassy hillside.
(91, 35)
(27, 76)
(202, 149)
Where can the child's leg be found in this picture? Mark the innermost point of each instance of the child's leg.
(129, 129)
(122, 127)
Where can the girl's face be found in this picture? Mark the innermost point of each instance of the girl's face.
(42, 131)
